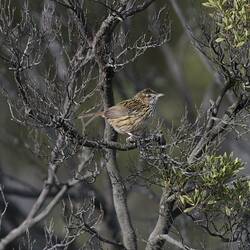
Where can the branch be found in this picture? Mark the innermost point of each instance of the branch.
(96, 234)
(174, 242)
(103, 57)
(217, 234)
(219, 128)
(73, 134)
(176, 71)
(83, 26)
(120, 14)
(120, 202)
(138, 9)
(32, 218)
(216, 106)
(65, 128)
(164, 222)
(5, 203)
(29, 222)
(106, 28)
(188, 31)
(119, 193)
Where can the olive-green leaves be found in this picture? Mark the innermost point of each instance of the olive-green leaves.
(220, 169)
(232, 18)
(218, 186)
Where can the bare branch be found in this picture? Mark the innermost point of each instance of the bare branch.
(219, 128)
(133, 10)
(174, 242)
(164, 222)
(5, 206)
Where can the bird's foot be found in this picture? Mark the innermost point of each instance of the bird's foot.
(132, 138)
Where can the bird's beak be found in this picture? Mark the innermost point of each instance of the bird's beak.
(160, 95)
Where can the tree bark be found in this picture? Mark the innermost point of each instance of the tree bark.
(164, 222)
(118, 189)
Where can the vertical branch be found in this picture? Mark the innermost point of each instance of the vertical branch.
(118, 189)
(5, 205)
(120, 201)
(104, 57)
(164, 222)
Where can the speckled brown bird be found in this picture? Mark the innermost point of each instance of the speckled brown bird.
(131, 116)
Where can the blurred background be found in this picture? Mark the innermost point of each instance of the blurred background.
(176, 69)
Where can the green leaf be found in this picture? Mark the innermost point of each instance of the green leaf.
(220, 39)
(211, 202)
(188, 210)
(229, 27)
(228, 211)
(182, 199)
(209, 5)
(240, 44)
(187, 200)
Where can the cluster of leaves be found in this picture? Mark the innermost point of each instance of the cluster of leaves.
(217, 187)
(231, 16)
(210, 189)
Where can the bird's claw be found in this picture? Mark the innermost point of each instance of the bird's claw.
(131, 139)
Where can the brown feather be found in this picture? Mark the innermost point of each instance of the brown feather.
(116, 112)
(131, 116)
(91, 115)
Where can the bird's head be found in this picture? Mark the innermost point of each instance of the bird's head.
(148, 96)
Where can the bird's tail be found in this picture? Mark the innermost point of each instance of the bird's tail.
(92, 115)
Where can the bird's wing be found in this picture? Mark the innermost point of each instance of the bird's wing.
(134, 107)
(124, 108)
(116, 112)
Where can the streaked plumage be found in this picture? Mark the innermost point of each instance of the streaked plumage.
(131, 116)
